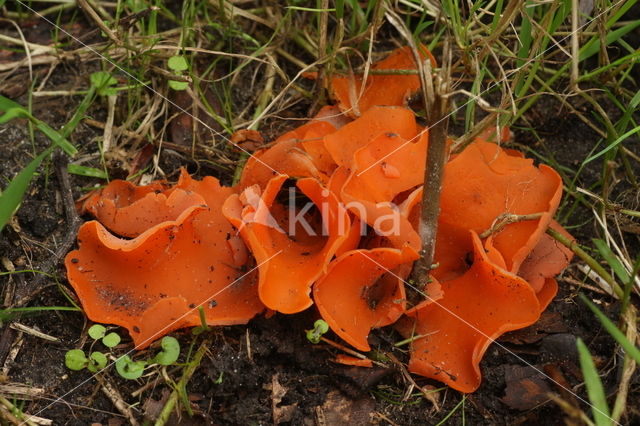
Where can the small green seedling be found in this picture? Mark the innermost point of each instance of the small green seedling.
(98, 331)
(320, 327)
(96, 362)
(169, 353)
(75, 359)
(104, 83)
(111, 340)
(178, 64)
(128, 368)
(203, 323)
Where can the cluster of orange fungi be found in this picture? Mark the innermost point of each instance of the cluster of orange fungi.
(161, 253)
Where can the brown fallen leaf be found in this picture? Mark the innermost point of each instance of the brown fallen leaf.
(152, 407)
(562, 386)
(192, 122)
(340, 410)
(115, 421)
(526, 387)
(356, 382)
(549, 323)
(559, 347)
(141, 159)
(281, 414)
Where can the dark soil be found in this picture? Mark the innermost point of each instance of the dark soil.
(267, 371)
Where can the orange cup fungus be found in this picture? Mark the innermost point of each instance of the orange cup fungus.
(353, 361)
(359, 292)
(355, 96)
(477, 307)
(153, 283)
(287, 267)
(158, 252)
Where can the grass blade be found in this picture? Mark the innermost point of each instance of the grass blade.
(13, 110)
(599, 406)
(593, 46)
(614, 331)
(12, 196)
(612, 260)
(13, 313)
(612, 145)
(56, 137)
(525, 34)
(7, 104)
(87, 171)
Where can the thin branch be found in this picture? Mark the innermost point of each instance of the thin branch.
(114, 396)
(84, 4)
(435, 91)
(590, 261)
(433, 174)
(436, 158)
(507, 219)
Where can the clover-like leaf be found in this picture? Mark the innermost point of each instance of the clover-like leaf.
(111, 340)
(103, 82)
(178, 63)
(97, 331)
(178, 85)
(75, 359)
(170, 351)
(97, 361)
(128, 368)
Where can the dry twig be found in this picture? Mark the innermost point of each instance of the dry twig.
(112, 393)
(435, 91)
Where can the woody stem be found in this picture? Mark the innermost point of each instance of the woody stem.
(436, 157)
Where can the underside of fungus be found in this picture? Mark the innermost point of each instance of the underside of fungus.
(328, 215)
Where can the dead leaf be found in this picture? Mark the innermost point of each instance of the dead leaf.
(283, 413)
(560, 347)
(141, 159)
(152, 408)
(549, 323)
(355, 381)
(526, 388)
(192, 122)
(340, 410)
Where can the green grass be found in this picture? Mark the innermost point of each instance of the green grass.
(13, 313)
(12, 195)
(615, 332)
(600, 408)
